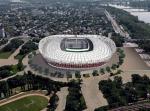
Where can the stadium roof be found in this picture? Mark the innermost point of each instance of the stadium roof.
(103, 48)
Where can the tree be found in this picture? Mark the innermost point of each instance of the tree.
(53, 102)
(119, 94)
(120, 61)
(78, 74)
(68, 74)
(136, 78)
(20, 65)
(95, 73)
(4, 88)
(122, 55)
(118, 81)
(30, 56)
(108, 69)
(46, 71)
(27, 48)
(34, 53)
(119, 72)
(13, 45)
(102, 71)
(131, 94)
(114, 67)
(119, 40)
(75, 100)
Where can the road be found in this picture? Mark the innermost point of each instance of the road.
(62, 94)
(117, 28)
(92, 95)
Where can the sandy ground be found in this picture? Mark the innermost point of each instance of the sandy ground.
(133, 61)
(25, 62)
(94, 98)
(62, 94)
(113, 60)
(92, 95)
(133, 65)
(126, 76)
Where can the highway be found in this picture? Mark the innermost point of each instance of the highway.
(117, 28)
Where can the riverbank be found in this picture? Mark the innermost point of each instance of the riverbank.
(142, 14)
(136, 29)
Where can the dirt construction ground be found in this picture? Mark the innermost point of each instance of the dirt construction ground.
(133, 61)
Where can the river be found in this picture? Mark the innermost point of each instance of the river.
(143, 15)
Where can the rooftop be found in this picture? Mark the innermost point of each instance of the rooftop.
(76, 44)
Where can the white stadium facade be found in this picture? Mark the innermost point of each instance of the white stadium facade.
(77, 52)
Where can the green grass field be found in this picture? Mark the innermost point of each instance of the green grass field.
(5, 55)
(30, 103)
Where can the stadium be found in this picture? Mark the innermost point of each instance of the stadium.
(76, 52)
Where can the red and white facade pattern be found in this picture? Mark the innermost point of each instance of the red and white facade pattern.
(103, 49)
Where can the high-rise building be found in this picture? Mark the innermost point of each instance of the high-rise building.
(2, 31)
